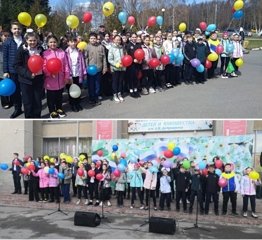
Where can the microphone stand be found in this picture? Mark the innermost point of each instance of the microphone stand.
(103, 216)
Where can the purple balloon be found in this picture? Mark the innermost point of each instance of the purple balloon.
(167, 164)
(195, 63)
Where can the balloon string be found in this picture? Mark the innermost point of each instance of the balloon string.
(230, 24)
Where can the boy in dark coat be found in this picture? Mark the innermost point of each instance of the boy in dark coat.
(16, 171)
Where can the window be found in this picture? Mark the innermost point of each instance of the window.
(51, 147)
(85, 145)
(68, 146)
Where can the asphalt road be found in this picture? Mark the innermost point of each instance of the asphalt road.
(218, 98)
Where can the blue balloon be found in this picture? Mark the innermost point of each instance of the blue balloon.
(230, 48)
(51, 170)
(155, 163)
(218, 172)
(115, 148)
(238, 14)
(159, 20)
(36, 163)
(7, 87)
(175, 51)
(4, 166)
(202, 165)
(172, 57)
(122, 16)
(84, 82)
(201, 68)
(207, 33)
(92, 70)
(153, 170)
(61, 175)
(133, 159)
(121, 167)
(211, 27)
(136, 152)
(176, 151)
(180, 58)
(123, 161)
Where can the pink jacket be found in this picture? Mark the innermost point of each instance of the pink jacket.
(57, 83)
(247, 187)
(43, 178)
(148, 179)
(53, 179)
(237, 53)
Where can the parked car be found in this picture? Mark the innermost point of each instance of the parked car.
(260, 34)
(231, 31)
(249, 34)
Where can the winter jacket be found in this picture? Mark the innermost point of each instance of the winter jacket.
(43, 178)
(212, 183)
(53, 179)
(149, 54)
(115, 55)
(107, 179)
(20, 65)
(94, 54)
(68, 175)
(202, 52)
(224, 43)
(232, 182)
(197, 182)
(136, 178)
(81, 64)
(81, 181)
(213, 43)
(238, 52)
(121, 182)
(18, 168)
(131, 48)
(165, 184)
(160, 51)
(182, 181)
(247, 187)
(168, 46)
(149, 178)
(189, 51)
(58, 82)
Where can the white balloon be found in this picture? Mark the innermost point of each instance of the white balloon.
(46, 169)
(74, 91)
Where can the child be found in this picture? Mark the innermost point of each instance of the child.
(177, 66)
(130, 168)
(77, 71)
(31, 84)
(147, 70)
(115, 55)
(248, 190)
(105, 187)
(9, 51)
(213, 42)
(55, 83)
(189, 51)
(120, 188)
(65, 183)
(237, 53)
(81, 185)
(202, 53)
(165, 190)
(53, 189)
(94, 54)
(33, 184)
(92, 183)
(225, 56)
(230, 190)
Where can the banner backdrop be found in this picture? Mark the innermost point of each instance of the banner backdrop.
(230, 149)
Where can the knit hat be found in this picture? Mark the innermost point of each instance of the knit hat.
(225, 34)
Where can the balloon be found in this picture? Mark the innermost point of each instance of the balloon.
(153, 170)
(40, 20)
(207, 33)
(175, 51)
(201, 68)
(219, 49)
(24, 18)
(254, 175)
(51, 171)
(61, 175)
(80, 172)
(108, 9)
(98, 164)
(140, 74)
(168, 154)
(202, 165)
(4, 166)
(62, 155)
(195, 62)
(35, 63)
(123, 155)
(141, 163)
(180, 58)
(121, 167)
(182, 27)
(208, 64)
(176, 151)
(186, 164)
(87, 17)
(24, 170)
(167, 164)
(82, 157)
(92, 70)
(123, 162)
(239, 62)
(122, 16)
(155, 163)
(36, 163)
(27, 164)
(117, 173)
(100, 153)
(7, 87)
(211, 27)
(16, 162)
(46, 157)
(54, 65)
(81, 45)
(91, 173)
(151, 21)
(46, 169)
(139, 54)
(69, 159)
(218, 172)
(72, 21)
(75, 91)
(222, 182)
(204, 171)
(203, 26)
(99, 176)
(31, 167)
(238, 5)
(159, 20)
(172, 57)
(131, 20)
(165, 59)
(115, 148)
(136, 152)
(154, 62)
(218, 163)
(133, 159)
(212, 57)
(238, 14)
(171, 146)
(127, 60)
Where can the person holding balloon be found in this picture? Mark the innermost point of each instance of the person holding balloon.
(65, 182)
(53, 188)
(104, 186)
(237, 53)
(213, 42)
(33, 183)
(92, 183)
(81, 183)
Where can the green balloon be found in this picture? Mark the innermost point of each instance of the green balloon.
(186, 164)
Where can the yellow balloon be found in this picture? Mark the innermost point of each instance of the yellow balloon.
(52, 160)
(254, 175)
(27, 164)
(182, 27)
(81, 45)
(238, 5)
(239, 62)
(69, 159)
(80, 163)
(108, 9)
(212, 57)
(46, 157)
(82, 157)
(25, 18)
(113, 156)
(62, 155)
(40, 20)
(72, 21)
(171, 146)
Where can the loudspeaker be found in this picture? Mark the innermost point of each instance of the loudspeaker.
(162, 225)
(87, 219)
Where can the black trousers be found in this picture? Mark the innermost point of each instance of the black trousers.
(26, 186)
(54, 193)
(81, 189)
(172, 189)
(16, 97)
(54, 100)
(33, 192)
(224, 64)
(208, 200)
(120, 197)
(127, 190)
(211, 71)
(138, 189)
(188, 74)
(199, 199)
(169, 71)
(233, 60)
(152, 195)
(105, 194)
(17, 182)
(157, 187)
(132, 74)
(163, 197)
(44, 193)
(117, 83)
(93, 187)
(180, 194)
(252, 201)
(177, 77)
(200, 77)
(74, 101)
(73, 184)
(233, 199)
(160, 78)
(148, 78)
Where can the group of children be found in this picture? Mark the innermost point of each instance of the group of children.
(137, 178)
(111, 77)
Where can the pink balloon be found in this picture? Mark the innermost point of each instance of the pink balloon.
(219, 49)
(203, 26)
(222, 182)
(131, 20)
(123, 155)
(117, 173)
(218, 163)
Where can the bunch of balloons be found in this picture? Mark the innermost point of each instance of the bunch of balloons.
(197, 64)
(237, 9)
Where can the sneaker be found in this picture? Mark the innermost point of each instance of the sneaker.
(180, 201)
(108, 204)
(152, 90)
(233, 74)
(86, 202)
(245, 214)
(98, 102)
(78, 202)
(142, 207)
(137, 94)
(224, 213)
(235, 214)
(90, 203)
(97, 204)
(120, 97)
(100, 97)
(146, 208)
(132, 206)
(54, 115)
(132, 94)
(254, 215)
(41, 200)
(224, 76)
(45, 200)
(92, 102)
(144, 91)
(155, 208)
(115, 99)
(101, 204)
(187, 201)
(216, 213)
(159, 89)
(61, 113)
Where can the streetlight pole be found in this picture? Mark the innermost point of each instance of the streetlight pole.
(173, 18)
(163, 13)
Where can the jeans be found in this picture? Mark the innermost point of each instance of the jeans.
(65, 192)
(73, 184)
(120, 197)
(163, 197)
(117, 82)
(54, 193)
(233, 198)
(54, 100)
(44, 193)
(160, 78)
(81, 189)
(94, 86)
(16, 97)
(33, 192)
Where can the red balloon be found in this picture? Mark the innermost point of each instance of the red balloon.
(151, 21)
(222, 182)
(208, 64)
(203, 26)
(204, 171)
(218, 163)
(24, 171)
(140, 74)
(98, 164)
(165, 59)
(80, 172)
(35, 63)
(100, 153)
(141, 163)
(233, 9)
(91, 173)
(168, 154)
(127, 60)
(219, 49)
(54, 65)
(117, 173)
(31, 167)
(99, 176)
(131, 20)
(87, 17)
(16, 162)
(112, 177)
(139, 54)
(154, 62)
(123, 155)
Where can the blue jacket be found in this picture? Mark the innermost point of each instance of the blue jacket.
(232, 182)
(136, 178)
(18, 168)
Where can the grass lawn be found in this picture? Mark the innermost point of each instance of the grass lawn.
(254, 44)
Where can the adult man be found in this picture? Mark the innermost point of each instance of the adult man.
(102, 30)
(16, 171)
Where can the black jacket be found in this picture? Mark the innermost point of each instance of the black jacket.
(212, 183)
(74, 168)
(32, 178)
(89, 178)
(87, 167)
(189, 51)
(131, 48)
(182, 181)
(197, 182)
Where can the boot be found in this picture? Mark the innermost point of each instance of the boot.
(120, 97)
(115, 98)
